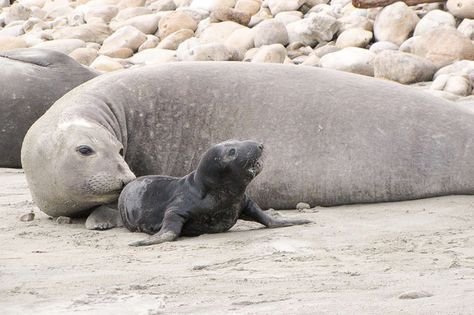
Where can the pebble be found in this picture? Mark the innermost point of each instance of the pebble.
(434, 19)
(222, 14)
(302, 206)
(315, 28)
(153, 56)
(354, 37)
(381, 46)
(350, 59)
(66, 46)
(63, 220)
(105, 64)
(219, 32)
(242, 38)
(84, 55)
(443, 46)
(275, 53)
(125, 37)
(461, 8)
(173, 40)
(457, 84)
(395, 23)
(277, 6)
(205, 52)
(467, 28)
(175, 21)
(270, 32)
(414, 295)
(10, 42)
(403, 67)
(27, 217)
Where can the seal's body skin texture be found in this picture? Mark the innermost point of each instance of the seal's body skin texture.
(32, 80)
(332, 137)
(209, 200)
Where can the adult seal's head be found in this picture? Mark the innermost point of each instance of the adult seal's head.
(84, 159)
(31, 81)
(230, 164)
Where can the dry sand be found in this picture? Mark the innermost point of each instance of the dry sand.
(353, 260)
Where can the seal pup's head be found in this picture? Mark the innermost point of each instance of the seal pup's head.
(77, 166)
(231, 164)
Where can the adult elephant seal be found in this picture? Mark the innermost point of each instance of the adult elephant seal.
(32, 80)
(332, 137)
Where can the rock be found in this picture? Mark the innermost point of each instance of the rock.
(242, 38)
(298, 49)
(162, 5)
(17, 12)
(94, 32)
(14, 30)
(27, 217)
(63, 220)
(66, 46)
(151, 42)
(84, 55)
(219, 32)
(354, 21)
(443, 46)
(289, 17)
(147, 23)
(104, 13)
(277, 6)
(467, 28)
(197, 14)
(211, 5)
(205, 52)
(395, 23)
(461, 8)
(153, 56)
(316, 27)
(250, 7)
(128, 13)
(222, 14)
(275, 53)
(402, 67)
(270, 32)
(175, 21)
(105, 64)
(354, 37)
(312, 60)
(381, 46)
(456, 84)
(414, 295)
(132, 3)
(302, 206)
(261, 15)
(459, 67)
(173, 40)
(350, 59)
(59, 11)
(324, 50)
(10, 42)
(125, 37)
(433, 19)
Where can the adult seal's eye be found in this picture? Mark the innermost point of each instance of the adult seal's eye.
(231, 152)
(84, 150)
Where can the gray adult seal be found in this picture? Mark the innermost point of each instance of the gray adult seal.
(32, 80)
(332, 137)
(208, 200)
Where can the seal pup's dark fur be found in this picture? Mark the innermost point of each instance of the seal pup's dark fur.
(208, 200)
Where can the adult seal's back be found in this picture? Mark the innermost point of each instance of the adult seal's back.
(31, 81)
(332, 137)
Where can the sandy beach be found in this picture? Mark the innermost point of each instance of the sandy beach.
(356, 259)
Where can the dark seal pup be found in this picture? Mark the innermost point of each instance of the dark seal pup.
(208, 200)
(32, 80)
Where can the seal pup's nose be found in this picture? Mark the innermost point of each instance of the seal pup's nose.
(260, 146)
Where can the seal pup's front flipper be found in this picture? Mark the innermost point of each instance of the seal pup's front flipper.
(252, 212)
(104, 217)
(170, 230)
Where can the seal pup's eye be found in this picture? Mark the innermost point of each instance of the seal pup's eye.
(121, 152)
(232, 152)
(84, 150)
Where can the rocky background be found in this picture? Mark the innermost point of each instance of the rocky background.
(429, 46)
